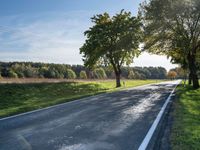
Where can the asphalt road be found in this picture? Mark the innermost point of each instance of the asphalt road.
(113, 121)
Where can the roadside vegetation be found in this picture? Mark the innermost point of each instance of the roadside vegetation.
(64, 71)
(18, 98)
(186, 126)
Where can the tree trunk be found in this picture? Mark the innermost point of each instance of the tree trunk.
(117, 70)
(190, 79)
(193, 71)
(117, 76)
(118, 83)
(185, 77)
(195, 81)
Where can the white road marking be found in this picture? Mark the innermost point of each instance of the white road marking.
(151, 131)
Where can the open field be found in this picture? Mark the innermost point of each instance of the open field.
(44, 80)
(186, 126)
(17, 98)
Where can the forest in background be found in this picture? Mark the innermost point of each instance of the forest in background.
(47, 70)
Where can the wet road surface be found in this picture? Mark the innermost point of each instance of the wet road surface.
(113, 121)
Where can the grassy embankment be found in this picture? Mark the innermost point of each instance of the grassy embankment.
(18, 98)
(186, 126)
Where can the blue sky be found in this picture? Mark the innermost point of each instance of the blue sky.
(52, 30)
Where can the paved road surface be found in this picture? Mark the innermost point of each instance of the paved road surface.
(114, 121)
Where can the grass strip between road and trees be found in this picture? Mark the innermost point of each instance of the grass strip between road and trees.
(19, 98)
(186, 126)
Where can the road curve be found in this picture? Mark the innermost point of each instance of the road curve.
(113, 121)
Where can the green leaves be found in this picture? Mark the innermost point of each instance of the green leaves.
(171, 25)
(112, 40)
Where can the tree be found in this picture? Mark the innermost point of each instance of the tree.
(18, 69)
(59, 69)
(131, 75)
(139, 73)
(110, 73)
(78, 68)
(12, 74)
(180, 72)
(162, 73)
(172, 75)
(112, 41)
(51, 73)
(30, 71)
(71, 74)
(100, 73)
(172, 27)
(83, 75)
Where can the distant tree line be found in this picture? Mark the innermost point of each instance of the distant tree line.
(45, 70)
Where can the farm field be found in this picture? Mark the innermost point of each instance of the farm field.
(21, 96)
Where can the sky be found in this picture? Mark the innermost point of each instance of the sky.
(52, 30)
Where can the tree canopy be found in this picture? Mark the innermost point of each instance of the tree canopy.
(172, 75)
(172, 27)
(112, 41)
(83, 75)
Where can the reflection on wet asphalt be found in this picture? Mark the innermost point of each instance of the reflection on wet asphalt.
(113, 121)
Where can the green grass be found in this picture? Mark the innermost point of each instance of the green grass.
(186, 126)
(18, 98)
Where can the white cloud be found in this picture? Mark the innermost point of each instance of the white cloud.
(56, 40)
(54, 37)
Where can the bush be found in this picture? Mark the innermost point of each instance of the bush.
(100, 73)
(131, 75)
(71, 74)
(59, 75)
(30, 72)
(20, 74)
(83, 75)
(51, 74)
(19, 69)
(12, 74)
(172, 75)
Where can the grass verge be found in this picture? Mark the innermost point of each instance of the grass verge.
(18, 98)
(186, 127)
